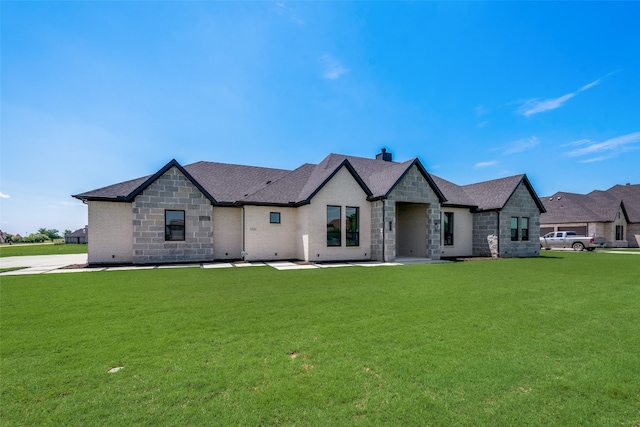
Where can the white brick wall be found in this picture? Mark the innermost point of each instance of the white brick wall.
(462, 233)
(266, 241)
(227, 233)
(110, 233)
(342, 191)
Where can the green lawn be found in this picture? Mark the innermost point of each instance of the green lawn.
(548, 341)
(41, 249)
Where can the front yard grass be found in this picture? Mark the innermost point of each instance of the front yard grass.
(41, 249)
(546, 341)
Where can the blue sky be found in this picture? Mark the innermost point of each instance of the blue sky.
(94, 93)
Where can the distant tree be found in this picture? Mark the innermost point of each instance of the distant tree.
(51, 234)
(67, 232)
(35, 238)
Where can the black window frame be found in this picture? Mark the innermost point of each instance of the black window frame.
(448, 228)
(514, 230)
(352, 227)
(273, 215)
(524, 231)
(171, 230)
(334, 234)
(619, 232)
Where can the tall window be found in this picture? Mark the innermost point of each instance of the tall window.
(619, 232)
(514, 229)
(447, 228)
(524, 228)
(173, 225)
(353, 226)
(334, 221)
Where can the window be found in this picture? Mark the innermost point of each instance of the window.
(619, 232)
(274, 217)
(447, 228)
(334, 221)
(353, 226)
(514, 229)
(524, 228)
(173, 225)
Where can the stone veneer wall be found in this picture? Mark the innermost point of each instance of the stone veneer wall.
(172, 191)
(377, 225)
(413, 188)
(485, 224)
(520, 205)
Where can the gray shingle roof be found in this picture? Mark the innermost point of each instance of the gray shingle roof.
(455, 194)
(597, 206)
(228, 183)
(486, 195)
(630, 195)
(78, 233)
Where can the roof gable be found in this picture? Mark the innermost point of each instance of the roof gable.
(596, 206)
(173, 163)
(324, 172)
(493, 194)
(416, 162)
(229, 184)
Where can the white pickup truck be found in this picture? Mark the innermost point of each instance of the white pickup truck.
(569, 239)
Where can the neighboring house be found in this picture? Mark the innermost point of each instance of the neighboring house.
(344, 208)
(613, 214)
(78, 237)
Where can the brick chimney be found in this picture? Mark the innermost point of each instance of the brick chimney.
(383, 155)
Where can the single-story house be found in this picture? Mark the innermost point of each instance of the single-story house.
(344, 208)
(79, 236)
(613, 214)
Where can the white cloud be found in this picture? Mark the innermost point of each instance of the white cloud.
(595, 159)
(4, 196)
(482, 110)
(578, 142)
(590, 85)
(332, 68)
(535, 106)
(485, 164)
(288, 12)
(521, 145)
(606, 149)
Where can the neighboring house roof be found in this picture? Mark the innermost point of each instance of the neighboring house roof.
(630, 195)
(596, 206)
(486, 195)
(78, 233)
(227, 184)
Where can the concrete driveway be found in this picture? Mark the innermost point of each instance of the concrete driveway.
(40, 263)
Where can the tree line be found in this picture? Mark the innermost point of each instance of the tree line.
(42, 235)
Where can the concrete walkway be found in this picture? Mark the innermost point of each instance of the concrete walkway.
(55, 264)
(38, 264)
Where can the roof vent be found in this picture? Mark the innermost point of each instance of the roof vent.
(383, 155)
(559, 197)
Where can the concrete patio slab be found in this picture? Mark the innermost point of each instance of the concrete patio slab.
(218, 265)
